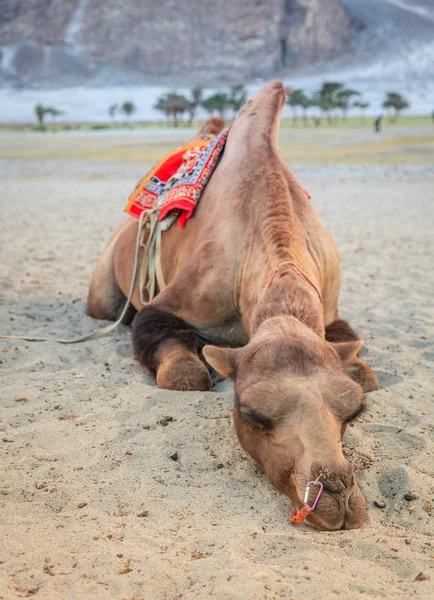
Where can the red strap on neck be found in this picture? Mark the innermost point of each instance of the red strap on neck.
(297, 268)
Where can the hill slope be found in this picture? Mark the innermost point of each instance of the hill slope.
(71, 41)
(371, 45)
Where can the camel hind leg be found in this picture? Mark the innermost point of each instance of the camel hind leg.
(105, 299)
(360, 372)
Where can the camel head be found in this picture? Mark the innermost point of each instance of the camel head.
(293, 400)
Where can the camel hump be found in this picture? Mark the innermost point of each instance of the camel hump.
(257, 125)
(212, 126)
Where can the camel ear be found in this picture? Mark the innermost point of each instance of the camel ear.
(348, 350)
(221, 359)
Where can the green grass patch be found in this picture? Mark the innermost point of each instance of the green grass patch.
(287, 123)
(400, 143)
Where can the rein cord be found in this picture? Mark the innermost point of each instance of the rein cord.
(103, 331)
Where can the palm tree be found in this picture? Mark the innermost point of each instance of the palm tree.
(325, 104)
(218, 102)
(195, 101)
(177, 104)
(40, 114)
(298, 98)
(112, 110)
(128, 108)
(305, 103)
(53, 112)
(42, 111)
(343, 97)
(396, 102)
(172, 105)
(209, 105)
(161, 106)
(327, 98)
(237, 97)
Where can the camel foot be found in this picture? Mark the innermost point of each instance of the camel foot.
(186, 374)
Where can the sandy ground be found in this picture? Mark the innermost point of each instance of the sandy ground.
(93, 504)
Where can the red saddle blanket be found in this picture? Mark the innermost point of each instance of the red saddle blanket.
(191, 166)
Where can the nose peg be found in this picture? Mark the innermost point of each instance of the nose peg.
(306, 493)
(298, 517)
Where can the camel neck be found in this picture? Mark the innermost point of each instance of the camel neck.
(289, 294)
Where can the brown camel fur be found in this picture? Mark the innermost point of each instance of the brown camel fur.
(298, 381)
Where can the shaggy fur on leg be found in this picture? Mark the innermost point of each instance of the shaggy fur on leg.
(152, 327)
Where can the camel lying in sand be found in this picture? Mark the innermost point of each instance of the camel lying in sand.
(256, 274)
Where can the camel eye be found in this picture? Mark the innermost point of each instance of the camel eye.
(257, 419)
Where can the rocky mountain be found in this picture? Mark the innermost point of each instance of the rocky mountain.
(59, 42)
(393, 50)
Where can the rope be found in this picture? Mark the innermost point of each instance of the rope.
(98, 333)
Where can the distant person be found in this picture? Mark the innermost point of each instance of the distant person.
(432, 115)
(377, 123)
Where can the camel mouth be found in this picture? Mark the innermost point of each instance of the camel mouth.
(334, 510)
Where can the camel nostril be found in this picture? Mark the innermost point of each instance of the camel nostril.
(336, 497)
(335, 486)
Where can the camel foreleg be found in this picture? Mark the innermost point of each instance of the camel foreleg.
(167, 346)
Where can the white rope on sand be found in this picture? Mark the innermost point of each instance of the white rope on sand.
(98, 333)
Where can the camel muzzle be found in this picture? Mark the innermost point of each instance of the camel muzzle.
(341, 505)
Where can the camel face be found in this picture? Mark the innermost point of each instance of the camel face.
(293, 401)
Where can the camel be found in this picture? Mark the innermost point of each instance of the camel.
(252, 287)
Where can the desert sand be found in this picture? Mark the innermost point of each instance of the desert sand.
(113, 489)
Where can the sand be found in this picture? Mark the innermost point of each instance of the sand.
(113, 489)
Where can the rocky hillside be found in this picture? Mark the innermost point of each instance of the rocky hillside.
(57, 42)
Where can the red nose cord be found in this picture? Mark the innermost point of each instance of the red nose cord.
(298, 517)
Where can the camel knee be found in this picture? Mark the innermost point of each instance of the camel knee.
(340, 331)
(362, 374)
(167, 346)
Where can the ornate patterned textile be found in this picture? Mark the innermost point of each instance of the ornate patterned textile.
(181, 177)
